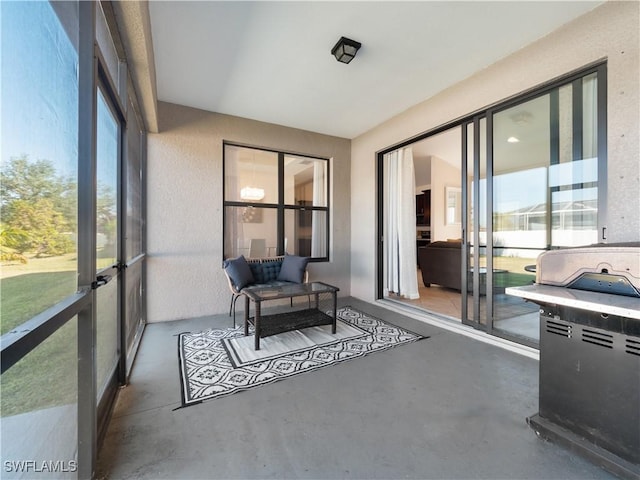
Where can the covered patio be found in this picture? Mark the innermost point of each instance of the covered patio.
(448, 406)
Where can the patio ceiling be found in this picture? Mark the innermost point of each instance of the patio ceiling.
(271, 61)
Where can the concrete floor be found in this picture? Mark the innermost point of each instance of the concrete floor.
(448, 407)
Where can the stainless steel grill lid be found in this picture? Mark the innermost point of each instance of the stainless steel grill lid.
(606, 268)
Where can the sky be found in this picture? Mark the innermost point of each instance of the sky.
(39, 93)
(39, 86)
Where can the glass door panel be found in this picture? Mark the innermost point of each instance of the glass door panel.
(545, 192)
(108, 148)
(573, 179)
(522, 140)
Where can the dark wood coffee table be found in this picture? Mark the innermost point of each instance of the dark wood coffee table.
(310, 315)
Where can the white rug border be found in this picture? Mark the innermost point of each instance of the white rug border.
(237, 362)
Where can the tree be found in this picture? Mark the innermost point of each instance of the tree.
(29, 181)
(38, 207)
(45, 227)
(11, 236)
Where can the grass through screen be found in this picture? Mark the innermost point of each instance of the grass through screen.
(47, 376)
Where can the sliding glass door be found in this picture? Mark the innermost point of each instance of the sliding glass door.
(530, 179)
(545, 190)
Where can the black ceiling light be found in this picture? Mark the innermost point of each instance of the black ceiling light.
(345, 49)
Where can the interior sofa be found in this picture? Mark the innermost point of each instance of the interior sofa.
(440, 263)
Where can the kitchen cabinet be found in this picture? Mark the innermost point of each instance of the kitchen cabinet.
(423, 208)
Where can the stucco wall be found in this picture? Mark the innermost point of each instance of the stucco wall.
(184, 213)
(611, 32)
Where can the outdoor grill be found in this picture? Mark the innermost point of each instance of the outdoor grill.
(589, 397)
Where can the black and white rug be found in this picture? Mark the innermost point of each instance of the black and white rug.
(215, 363)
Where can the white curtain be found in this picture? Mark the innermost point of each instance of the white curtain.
(400, 241)
(319, 219)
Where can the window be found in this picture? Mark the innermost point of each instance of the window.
(62, 148)
(39, 230)
(275, 202)
(39, 162)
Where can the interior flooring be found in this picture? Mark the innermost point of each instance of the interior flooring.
(512, 315)
(447, 407)
(441, 300)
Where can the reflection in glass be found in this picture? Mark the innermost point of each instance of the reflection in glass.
(520, 208)
(590, 116)
(545, 191)
(107, 168)
(38, 169)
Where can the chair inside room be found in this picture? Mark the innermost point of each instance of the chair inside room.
(257, 248)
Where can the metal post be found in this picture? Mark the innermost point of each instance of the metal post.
(87, 390)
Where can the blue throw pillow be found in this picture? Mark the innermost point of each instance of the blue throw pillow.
(239, 272)
(293, 268)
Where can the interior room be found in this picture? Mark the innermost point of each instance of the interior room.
(438, 172)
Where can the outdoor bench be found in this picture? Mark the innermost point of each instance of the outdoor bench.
(244, 272)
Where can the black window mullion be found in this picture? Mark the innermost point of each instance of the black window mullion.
(280, 219)
(327, 208)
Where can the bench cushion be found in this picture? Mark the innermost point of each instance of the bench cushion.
(293, 268)
(239, 272)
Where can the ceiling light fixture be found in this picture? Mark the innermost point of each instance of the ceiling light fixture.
(252, 193)
(513, 139)
(345, 50)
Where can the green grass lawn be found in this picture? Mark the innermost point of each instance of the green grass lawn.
(24, 296)
(47, 376)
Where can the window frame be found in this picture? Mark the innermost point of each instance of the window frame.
(280, 206)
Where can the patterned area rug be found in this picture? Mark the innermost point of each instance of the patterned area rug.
(206, 370)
